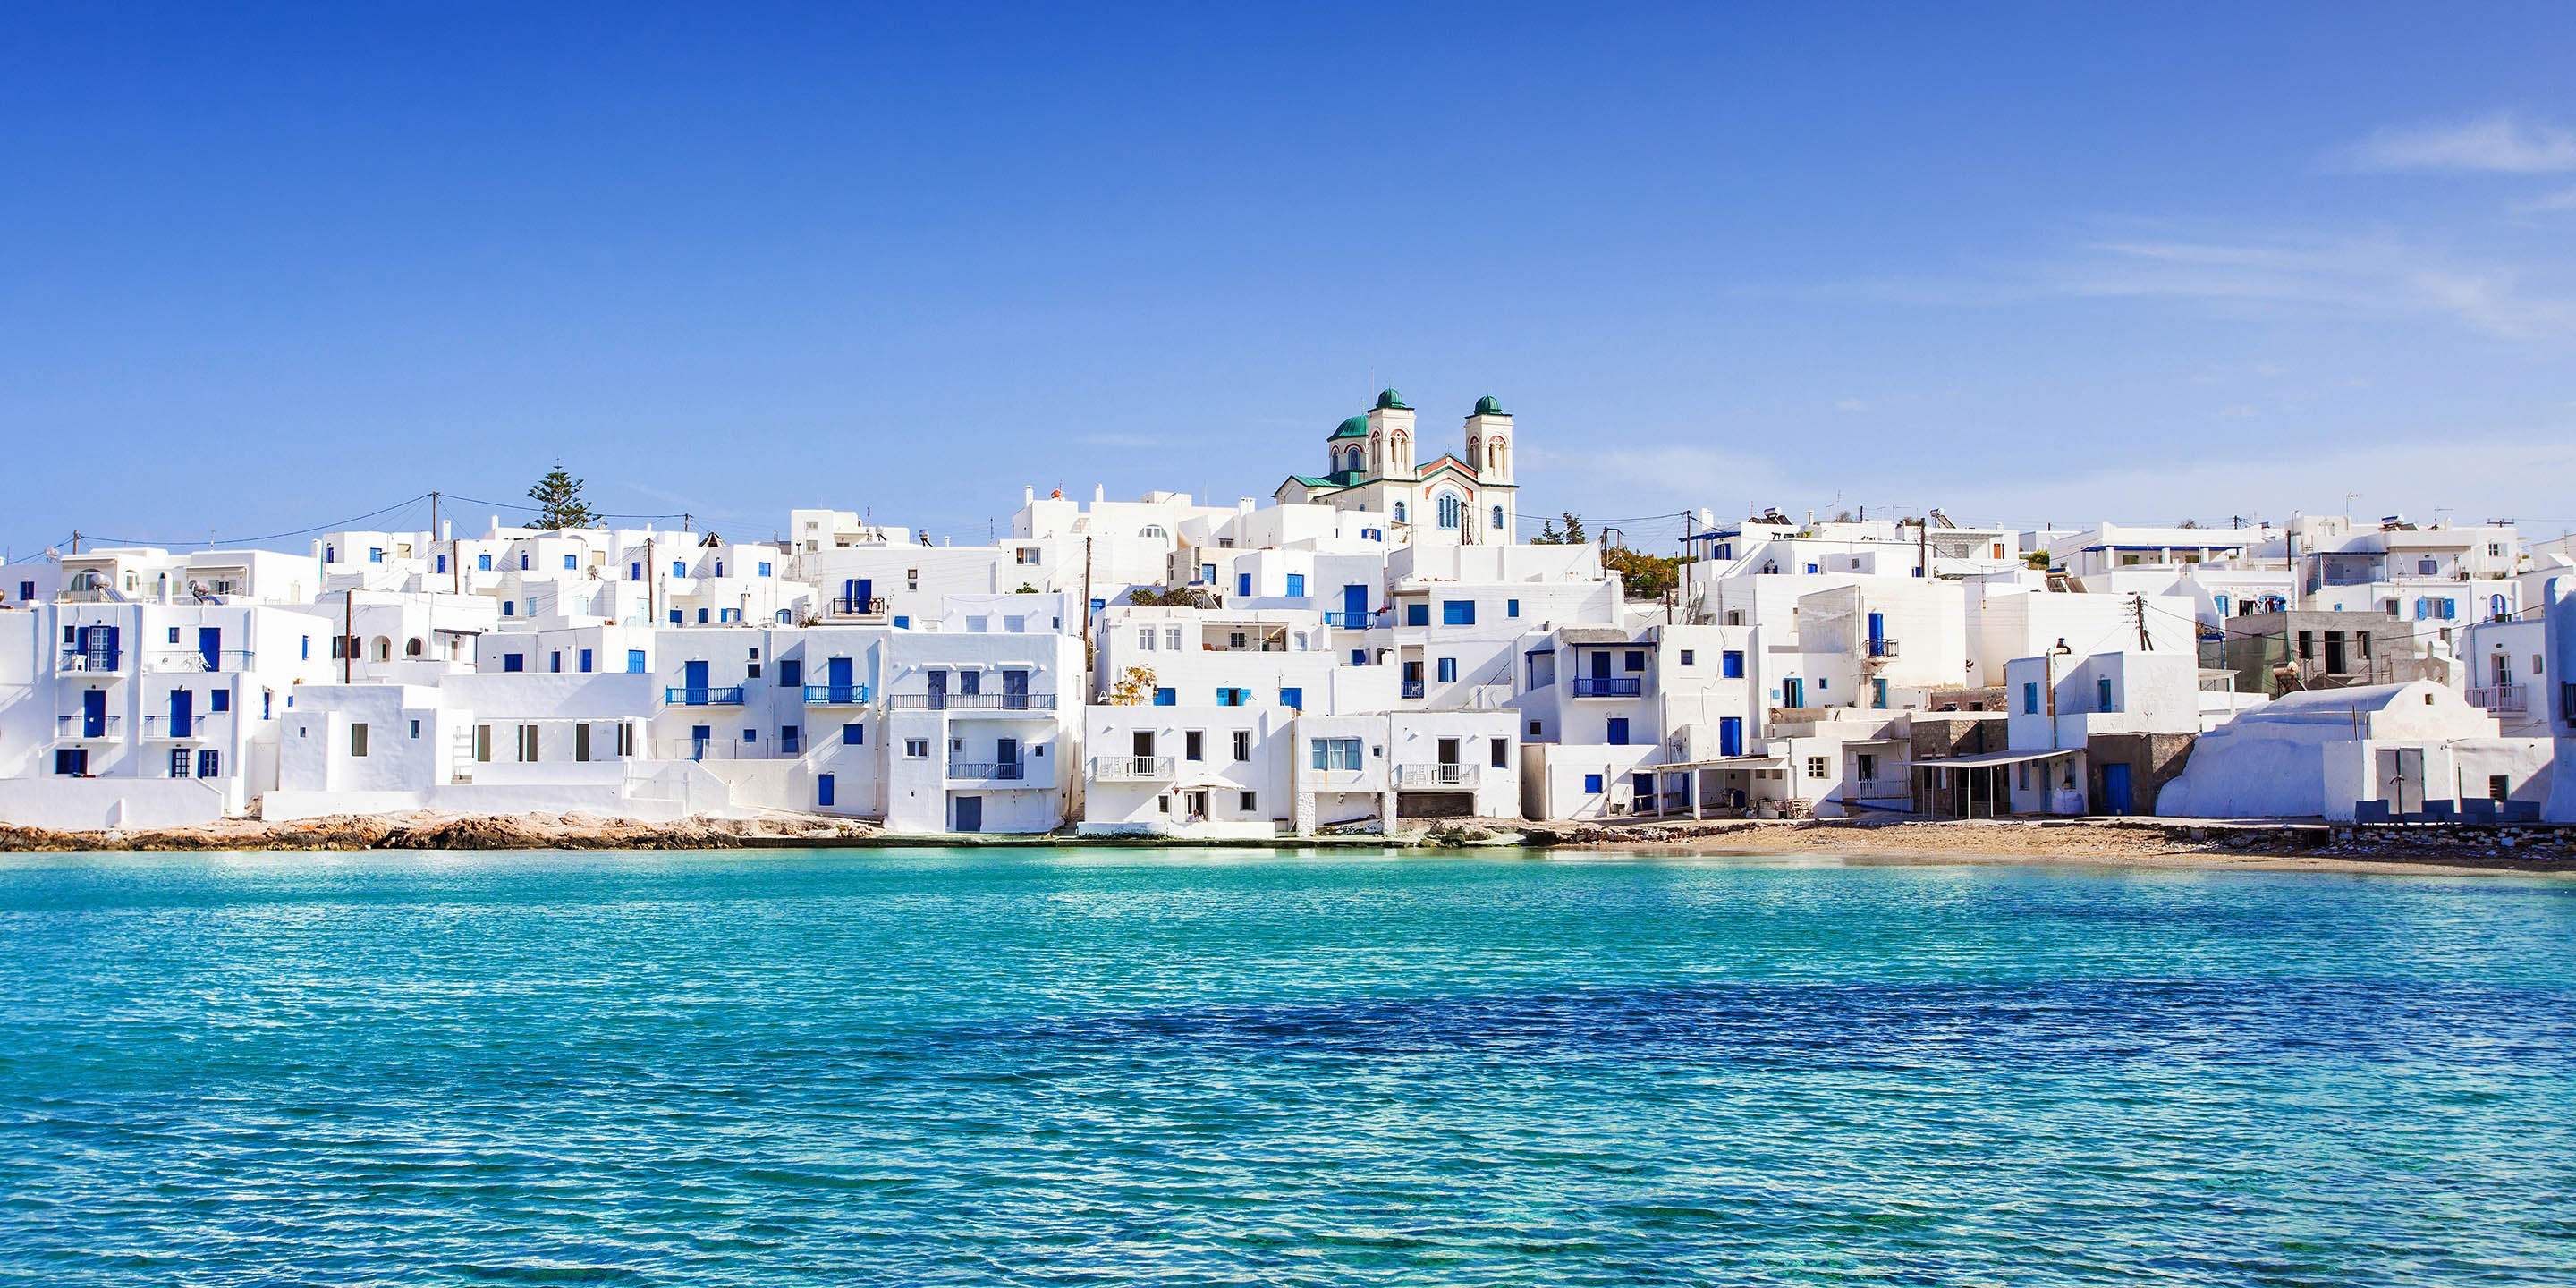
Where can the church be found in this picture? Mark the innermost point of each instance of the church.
(1370, 466)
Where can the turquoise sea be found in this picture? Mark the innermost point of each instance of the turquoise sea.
(1124, 1067)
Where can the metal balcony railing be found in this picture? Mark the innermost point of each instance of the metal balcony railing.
(99, 663)
(87, 727)
(836, 695)
(971, 701)
(2502, 699)
(1438, 775)
(1348, 621)
(189, 659)
(713, 696)
(1882, 648)
(1605, 686)
(845, 606)
(164, 728)
(1130, 769)
(985, 771)
(1408, 688)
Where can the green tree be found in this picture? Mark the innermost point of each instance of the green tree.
(1642, 575)
(559, 503)
(1547, 535)
(1574, 534)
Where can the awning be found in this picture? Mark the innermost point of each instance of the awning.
(1986, 759)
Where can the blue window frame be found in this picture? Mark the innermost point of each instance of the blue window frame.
(376, 554)
(571, 562)
(1511, 608)
(1417, 614)
(791, 673)
(1730, 664)
(1636, 660)
(1457, 612)
(509, 608)
(635, 661)
(482, 563)
(442, 563)
(220, 700)
(1166, 698)
(1359, 657)
(823, 791)
(514, 661)
(788, 737)
(585, 661)
(1448, 670)
(1243, 584)
(854, 735)
(902, 622)
(1592, 784)
(635, 571)
(2030, 698)
(554, 661)
(1618, 732)
(523, 563)
(764, 569)
(1296, 585)
(679, 568)
(1233, 697)
(1293, 699)
(751, 735)
(2102, 692)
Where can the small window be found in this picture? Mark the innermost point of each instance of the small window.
(1511, 608)
(1688, 656)
(2030, 698)
(1730, 664)
(514, 661)
(1243, 584)
(1293, 698)
(1242, 745)
(916, 749)
(2499, 786)
(415, 731)
(1417, 614)
(1458, 612)
(1817, 767)
(1296, 590)
(1500, 750)
(1166, 697)
(854, 735)
(1247, 801)
(358, 740)
(1636, 661)
(1193, 745)
(1592, 784)
(220, 700)
(1448, 670)
(571, 562)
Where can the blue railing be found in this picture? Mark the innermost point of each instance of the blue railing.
(728, 696)
(1348, 621)
(1591, 686)
(836, 695)
(1409, 688)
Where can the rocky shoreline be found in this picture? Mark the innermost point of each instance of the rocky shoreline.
(2169, 842)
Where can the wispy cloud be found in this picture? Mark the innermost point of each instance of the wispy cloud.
(2552, 203)
(2501, 143)
(2378, 274)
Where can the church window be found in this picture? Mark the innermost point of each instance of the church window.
(1450, 507)
(1399, 511)
(1498, 518)
(1153, 530)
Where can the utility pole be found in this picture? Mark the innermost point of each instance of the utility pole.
(2138, 609)
(75, 541)
(348, 632)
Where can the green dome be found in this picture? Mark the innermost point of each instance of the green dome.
(1390, 400)
(1489, 405)
(1355, 427)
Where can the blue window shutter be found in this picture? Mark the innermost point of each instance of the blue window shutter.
(1592, 784)
(1511, 608)
(1243, 584)
(2030, 698)
(1166, 698)
(1293, 699)
(1296, 585)
(635, 661)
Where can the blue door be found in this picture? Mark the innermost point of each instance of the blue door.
(1354, 606)
(1015, 690)
(699, 737)
(1006, 759)
(94, 713)
(823, 791)
(210, 646)
(1730, 735)
(1793, 693)
(693, 683)
(1601, 666)
(1877, 634)
(1618, 731)
(183, 713)
(836, 677)
(939, 690)
(970, 814)
(2116, 797)
(855, 594)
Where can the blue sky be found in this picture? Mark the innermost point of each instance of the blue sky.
(265, 268)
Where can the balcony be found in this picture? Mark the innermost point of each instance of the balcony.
(727, 696)
(88, 663)
(844, 606)
(82, 728)
(971, 701)
(1348, 621)
(1415, 776)
(1408, 688)
(2501, 699)
(198, 660)
(1130, 769)
(1882, 648)
(162, 729)
(836, 695)
(1603, 686)
(974, 771)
